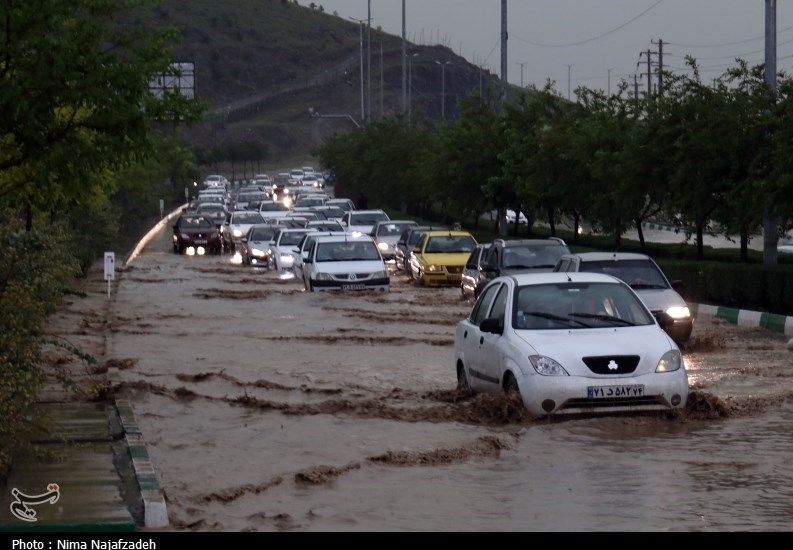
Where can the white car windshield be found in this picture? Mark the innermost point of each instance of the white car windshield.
(291, 239)
(367, 219)
(246, 218)
(450, 245)
(347, 252)
(568, 306)
(262, 234)
(639, 274)
(391, 229)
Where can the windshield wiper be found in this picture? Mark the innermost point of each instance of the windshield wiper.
(603, 318)
(552, 317)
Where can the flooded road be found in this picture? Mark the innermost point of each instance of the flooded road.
(267, 408)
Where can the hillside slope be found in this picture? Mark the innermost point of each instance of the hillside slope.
(262, 64)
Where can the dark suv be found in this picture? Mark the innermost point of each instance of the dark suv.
(527, 256)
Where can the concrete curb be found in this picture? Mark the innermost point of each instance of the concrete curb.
(155, 513)
(152, 232)
(779, 324)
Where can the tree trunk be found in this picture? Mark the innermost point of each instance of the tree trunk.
(552, 222)
(517, 221)
(745, 244)
(617, 234)
(28, 216)
(576, 225)
(641, 235)
(529, 224)
(700, 244)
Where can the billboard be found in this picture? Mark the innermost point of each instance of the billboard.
(181, 77)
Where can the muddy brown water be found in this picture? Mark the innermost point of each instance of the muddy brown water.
(267, 408)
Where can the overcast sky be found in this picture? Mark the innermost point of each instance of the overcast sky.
(472, 27)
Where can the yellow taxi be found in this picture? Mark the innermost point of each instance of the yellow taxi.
(440, 257)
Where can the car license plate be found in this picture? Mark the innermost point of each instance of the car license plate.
(610, 392)
(354, 287)
(201, 241)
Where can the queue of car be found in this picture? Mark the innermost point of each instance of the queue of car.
(568, 333)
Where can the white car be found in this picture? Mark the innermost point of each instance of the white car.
(297, 175)
(216, 181)
(570, 343)
(238, 225)
(386, 235)
(363, 221)
(303, 248)
(280, 254)
(345, 204)
(308, 170)
(345, 263)
(256, 245)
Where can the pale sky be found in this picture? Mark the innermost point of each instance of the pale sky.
(473, 28)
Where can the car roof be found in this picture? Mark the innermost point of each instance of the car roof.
(397, 222)
(295, 229)
(345, 238)
(533, 242)
(436, 233)
(606, 256)
(367, 212)
(551, 278)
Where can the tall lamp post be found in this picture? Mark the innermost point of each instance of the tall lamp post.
(443, 86)
(410, 88)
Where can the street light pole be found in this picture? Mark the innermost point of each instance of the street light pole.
(410, 88)
(369, 61)
(443, 88)
(521, 72)
(770, 232)
(404, 60)
(363, 101)
(569, 81)
(610, 81)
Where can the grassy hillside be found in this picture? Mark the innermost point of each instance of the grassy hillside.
(266, 62)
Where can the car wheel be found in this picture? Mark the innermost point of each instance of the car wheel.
(462, 380)
(511, 384)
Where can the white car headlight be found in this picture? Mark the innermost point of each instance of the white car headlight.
(434, 268)
(323, 277)
(287, 259)
(258, 253)
(547, 366)
(679, 312)
(237, 233)
(382, 246)
(670, 362)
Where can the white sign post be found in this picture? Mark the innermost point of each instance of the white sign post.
(110, 269)
(162, 208)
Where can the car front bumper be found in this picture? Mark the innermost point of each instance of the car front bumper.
(379, 285)
(442, 279)
(681, 331)
(562, 395)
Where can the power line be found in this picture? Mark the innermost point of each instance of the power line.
(736, 43)
(588, 40)
(741, 54)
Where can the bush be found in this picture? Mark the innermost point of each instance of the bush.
(744, 286)
(34, 268)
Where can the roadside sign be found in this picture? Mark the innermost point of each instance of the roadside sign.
(110, 269)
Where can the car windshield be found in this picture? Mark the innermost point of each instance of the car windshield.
(568, 306)
(347, 252)
(210, 208)
(195, 223)
(415, 237)
(213, 178)
(251, 197)
(450, 245)
(333, 213)
(293, 223)
(639, 274)
(370, 218)
(391, 229)
(246, 218)
(211, 199)
(343, 206)
(273, 207)
(297, 172)
(261, 234)
(533, 256)
(335, 226)
(291, 239)
(309, 202)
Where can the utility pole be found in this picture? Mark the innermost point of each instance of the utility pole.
(382, 83)
(636, 87)
(363, 100)
(404, 61)
(369, 61)
(480, 81)
(504, 51)
(443, 88)
(649, 73)
(770, 232)
(521, 72)
(609, 86)
(660, 65)
(569, 81)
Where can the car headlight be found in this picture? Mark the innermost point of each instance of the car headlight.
(547, 366)
(380, 275)
(434, 268)
(175, 238)
(286, 191)
(382, 246)
(287, 259)
(679, 312)
(258, 253)
(323, 277)
(237, 233)
(222, 228)
(670, 362)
